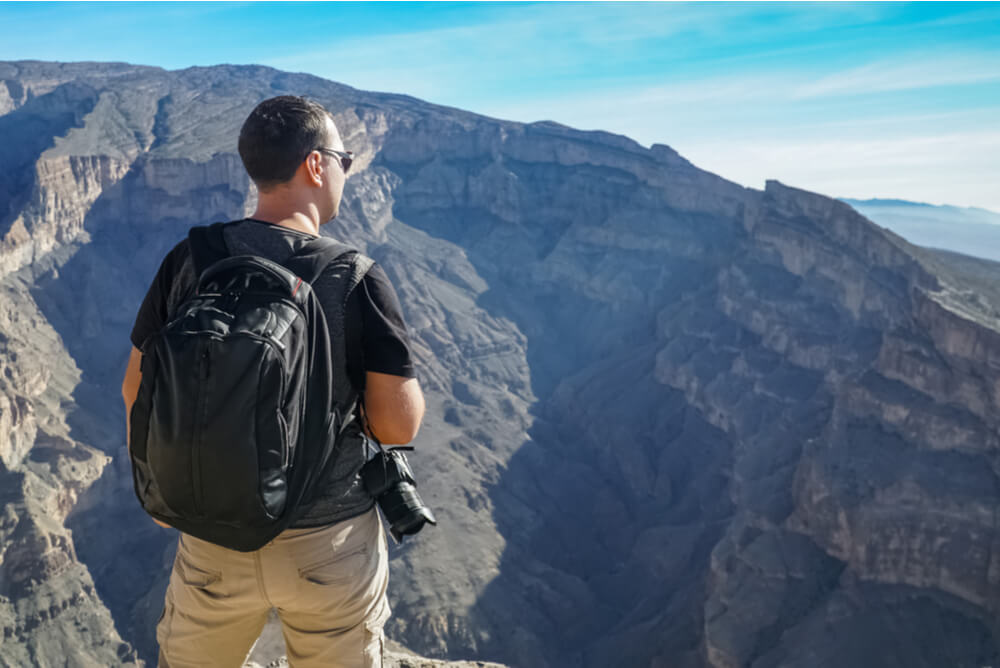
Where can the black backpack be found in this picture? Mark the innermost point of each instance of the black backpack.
(234, 422)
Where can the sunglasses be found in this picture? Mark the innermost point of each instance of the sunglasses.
(346, 157)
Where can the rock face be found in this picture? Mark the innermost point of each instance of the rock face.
(671, 421)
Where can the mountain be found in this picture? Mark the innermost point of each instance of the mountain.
(671, 421)
(968, 230)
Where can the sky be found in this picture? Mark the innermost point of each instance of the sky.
(861, 100)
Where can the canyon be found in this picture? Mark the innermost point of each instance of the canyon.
(672, 421)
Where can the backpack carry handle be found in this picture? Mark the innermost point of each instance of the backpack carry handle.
(273, 270)
(310, 261)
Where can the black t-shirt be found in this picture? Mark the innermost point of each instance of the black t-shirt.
(375, 335)
(378, 342)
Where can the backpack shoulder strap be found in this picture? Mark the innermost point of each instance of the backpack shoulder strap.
(208, 246)
(360, 267)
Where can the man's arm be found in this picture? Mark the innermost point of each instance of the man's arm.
(394, 407)
(130, 387)
(130, 390)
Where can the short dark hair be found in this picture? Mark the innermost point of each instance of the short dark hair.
(278, 135)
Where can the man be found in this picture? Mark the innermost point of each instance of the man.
(327, 575)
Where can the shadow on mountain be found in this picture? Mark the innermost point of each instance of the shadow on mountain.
(608, 523)
(610, 510)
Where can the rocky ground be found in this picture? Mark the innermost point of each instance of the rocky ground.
(269, 652)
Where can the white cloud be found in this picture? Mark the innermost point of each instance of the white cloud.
(443, 63)
(774, 88)
(924, 71)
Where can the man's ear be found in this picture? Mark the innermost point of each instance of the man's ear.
(314, 169)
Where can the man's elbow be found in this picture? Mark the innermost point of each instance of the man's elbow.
(403, 428)
(417, 416)
(396, 435)
(394, 408)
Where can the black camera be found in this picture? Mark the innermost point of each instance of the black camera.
(388, 478)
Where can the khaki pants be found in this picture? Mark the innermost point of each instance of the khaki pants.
(328, 585)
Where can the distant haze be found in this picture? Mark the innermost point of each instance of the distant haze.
(969, 231)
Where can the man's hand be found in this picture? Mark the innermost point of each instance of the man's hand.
(394, 407)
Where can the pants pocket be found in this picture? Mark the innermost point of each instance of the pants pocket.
(337, 568)
(194, 578)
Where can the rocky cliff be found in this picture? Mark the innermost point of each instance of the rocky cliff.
(671, 421)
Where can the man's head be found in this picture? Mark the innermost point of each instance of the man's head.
(279, 145)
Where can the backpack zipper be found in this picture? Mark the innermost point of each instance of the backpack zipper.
(286, 451)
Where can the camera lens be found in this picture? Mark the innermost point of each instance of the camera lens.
(404, 510)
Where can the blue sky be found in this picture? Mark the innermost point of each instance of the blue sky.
(896, 100)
